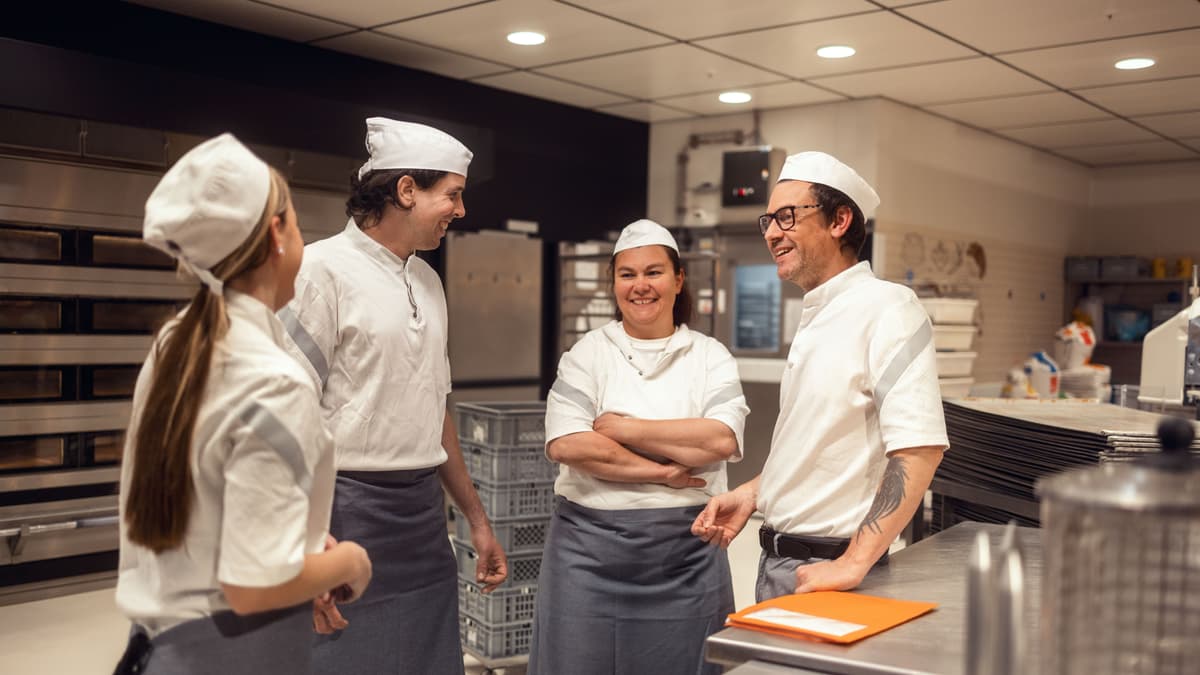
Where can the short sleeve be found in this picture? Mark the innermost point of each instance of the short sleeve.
(311, 323)
(723, 397)
(904, 376)
(573, 400)
(268, 480)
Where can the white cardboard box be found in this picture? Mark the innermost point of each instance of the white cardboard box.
(950, 310)
(953, 338)
(955, 364)
(955, 387)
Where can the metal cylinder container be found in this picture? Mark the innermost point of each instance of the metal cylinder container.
(1121, 586)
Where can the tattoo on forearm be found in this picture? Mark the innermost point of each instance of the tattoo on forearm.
(889, 497)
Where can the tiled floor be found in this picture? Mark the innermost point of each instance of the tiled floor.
(84, 634)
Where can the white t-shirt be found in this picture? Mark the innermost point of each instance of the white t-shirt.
(370, 327)
(262, 469)
(860, 382)
(692, 376)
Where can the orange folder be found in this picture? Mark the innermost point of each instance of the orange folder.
(832, 616)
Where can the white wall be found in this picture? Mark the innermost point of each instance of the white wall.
(1151, 210)
(846, 130)
(941, 183)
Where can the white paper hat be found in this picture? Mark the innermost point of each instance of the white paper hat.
(207, 205)
(644, 233)
(406, 145)
(818, 167)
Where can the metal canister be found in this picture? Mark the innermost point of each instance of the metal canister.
(1121, 591)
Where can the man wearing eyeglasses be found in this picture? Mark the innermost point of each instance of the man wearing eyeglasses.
(860, 429)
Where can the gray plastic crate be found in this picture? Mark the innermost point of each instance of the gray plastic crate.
(518, 500)
(503, 424)
(495, 642)
(523, 568)
(508, 465)
(514, 536)
(503, 605)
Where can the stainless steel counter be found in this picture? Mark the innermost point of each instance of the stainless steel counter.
(932, 570)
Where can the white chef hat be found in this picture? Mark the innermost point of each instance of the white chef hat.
(207, 205)
(644, 233)
(406, 145)
(818, 167)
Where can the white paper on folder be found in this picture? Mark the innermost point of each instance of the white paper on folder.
(816, 624)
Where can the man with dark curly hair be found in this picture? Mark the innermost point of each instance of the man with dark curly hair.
(369, 322)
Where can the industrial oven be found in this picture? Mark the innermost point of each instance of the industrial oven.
(80, 298)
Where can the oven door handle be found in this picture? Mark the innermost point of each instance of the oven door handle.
(18, 535)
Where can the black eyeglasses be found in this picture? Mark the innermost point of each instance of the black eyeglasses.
(784, 217)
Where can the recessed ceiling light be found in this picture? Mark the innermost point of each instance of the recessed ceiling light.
(1133, 64)
(835, 51)
(526, 38)
(734, 97)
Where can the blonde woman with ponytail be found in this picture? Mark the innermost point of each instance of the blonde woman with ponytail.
(227, 481)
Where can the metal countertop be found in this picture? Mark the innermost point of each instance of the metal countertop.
(932, 570)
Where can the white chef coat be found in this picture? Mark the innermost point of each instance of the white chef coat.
(694, 376)
(262, 470)
(860, 382)
(371, 329)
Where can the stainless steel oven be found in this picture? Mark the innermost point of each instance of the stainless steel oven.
(80, 298)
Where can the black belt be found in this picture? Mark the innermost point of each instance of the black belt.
(801, 547)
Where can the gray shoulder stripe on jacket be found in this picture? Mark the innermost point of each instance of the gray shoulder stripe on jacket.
(723, 395)
(574, 395)
(268, 428)
(305, 342)
(902, 360)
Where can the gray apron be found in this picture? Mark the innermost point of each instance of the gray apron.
(627, 592)
(407, 621)
(224, 644)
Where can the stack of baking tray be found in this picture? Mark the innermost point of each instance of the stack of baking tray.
(1002, 446)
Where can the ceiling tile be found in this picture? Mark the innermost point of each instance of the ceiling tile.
(1127, 153)
(1020, 111)
(660, 72)
(1178, 125)
(252, 16)
(644, 111)
(1194, 143)
(480, 30)
(688, 19)
(1003, 25)
(1148, 98)
(365, 13)
(936, 82)
(768, 96)
(409, 54)
(881, 39)
(1091, 64)
(1099, 132)
(541, 86)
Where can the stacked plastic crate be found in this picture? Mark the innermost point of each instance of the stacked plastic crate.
(503, 446)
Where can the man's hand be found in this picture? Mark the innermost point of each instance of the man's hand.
(492, 567)
(326, 617)
(830, 575)
(723, 518)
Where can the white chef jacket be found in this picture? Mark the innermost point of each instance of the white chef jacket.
(860, 382)
(371, 329)
(262, 470)
(695, 376)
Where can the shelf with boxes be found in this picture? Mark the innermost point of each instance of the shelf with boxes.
(1123, 298)
(503, 447)
(953, 334)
